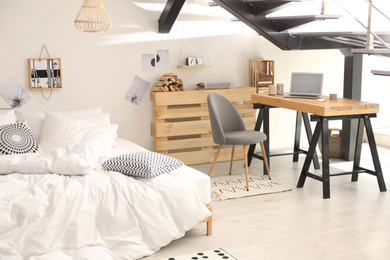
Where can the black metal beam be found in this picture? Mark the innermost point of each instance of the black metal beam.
(353, 69)
(169, 15)
(259, 23)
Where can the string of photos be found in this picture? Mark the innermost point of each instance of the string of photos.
(45, 73)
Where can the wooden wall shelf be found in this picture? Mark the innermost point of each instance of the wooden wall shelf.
(196, 66)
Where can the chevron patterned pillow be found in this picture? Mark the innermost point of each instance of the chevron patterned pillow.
(142, 164)
(17, 138)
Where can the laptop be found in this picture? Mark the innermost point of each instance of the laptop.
(306, 85)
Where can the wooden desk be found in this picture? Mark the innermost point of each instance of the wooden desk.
(322, 113)
(263, 119)
(341, 106)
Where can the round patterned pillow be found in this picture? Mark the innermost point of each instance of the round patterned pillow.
(17, 138)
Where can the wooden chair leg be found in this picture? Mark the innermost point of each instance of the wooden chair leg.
(265, 159)
(245, 148)
(231, 160)
(215, 159)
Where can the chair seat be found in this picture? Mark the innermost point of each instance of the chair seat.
(244, 137)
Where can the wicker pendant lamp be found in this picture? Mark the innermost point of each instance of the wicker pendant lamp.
(92, 17)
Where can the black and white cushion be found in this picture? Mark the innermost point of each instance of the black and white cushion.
(17, 138)
(142, 164)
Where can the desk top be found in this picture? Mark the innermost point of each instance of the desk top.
(341, 106)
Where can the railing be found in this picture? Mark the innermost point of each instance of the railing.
(370, 33)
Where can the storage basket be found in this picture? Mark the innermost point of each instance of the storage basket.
(334, 143)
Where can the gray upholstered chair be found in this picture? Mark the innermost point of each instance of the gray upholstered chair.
(228, 128)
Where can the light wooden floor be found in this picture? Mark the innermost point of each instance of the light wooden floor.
(353, 224)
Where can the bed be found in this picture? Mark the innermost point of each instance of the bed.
(70, 189)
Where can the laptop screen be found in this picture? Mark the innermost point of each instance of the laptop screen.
(306, 83)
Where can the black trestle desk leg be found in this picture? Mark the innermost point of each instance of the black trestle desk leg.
(297, 139)
(252, 147)
(309, 137)
(374, 153)
(325, 159)
(358, 150)
(309, 155)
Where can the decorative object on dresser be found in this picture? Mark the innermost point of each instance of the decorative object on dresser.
(214, 85)
(168, 82)
(181, 126)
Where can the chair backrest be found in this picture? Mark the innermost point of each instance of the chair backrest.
(224, 117)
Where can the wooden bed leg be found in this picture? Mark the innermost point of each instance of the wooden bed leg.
(209, 220)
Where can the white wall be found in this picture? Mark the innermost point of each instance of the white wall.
(98, 68)
(376, 88)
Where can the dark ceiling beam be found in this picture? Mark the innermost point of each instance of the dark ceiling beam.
(169, 15)
(242, 11)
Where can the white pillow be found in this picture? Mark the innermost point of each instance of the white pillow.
(17, 138)
(35, 119)
(87, 111)
(7, 117)
(144, 164)
(100, 119)
(58, 131)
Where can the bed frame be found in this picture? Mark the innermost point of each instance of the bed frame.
(209, 221)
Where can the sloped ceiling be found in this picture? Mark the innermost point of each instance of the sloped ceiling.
(256, 15)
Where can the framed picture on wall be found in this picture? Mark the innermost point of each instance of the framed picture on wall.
(45, 73)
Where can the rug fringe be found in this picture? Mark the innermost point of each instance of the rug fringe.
(233, 187)
(217, 196)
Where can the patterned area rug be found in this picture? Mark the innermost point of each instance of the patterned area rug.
(234, 186)
(217, 254)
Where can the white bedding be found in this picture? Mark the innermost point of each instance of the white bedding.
(79, 159)
(100, 215)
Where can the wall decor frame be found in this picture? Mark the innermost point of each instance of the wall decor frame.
(45, 73)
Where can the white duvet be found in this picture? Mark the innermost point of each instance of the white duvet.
(99, 215)
(78, 159)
